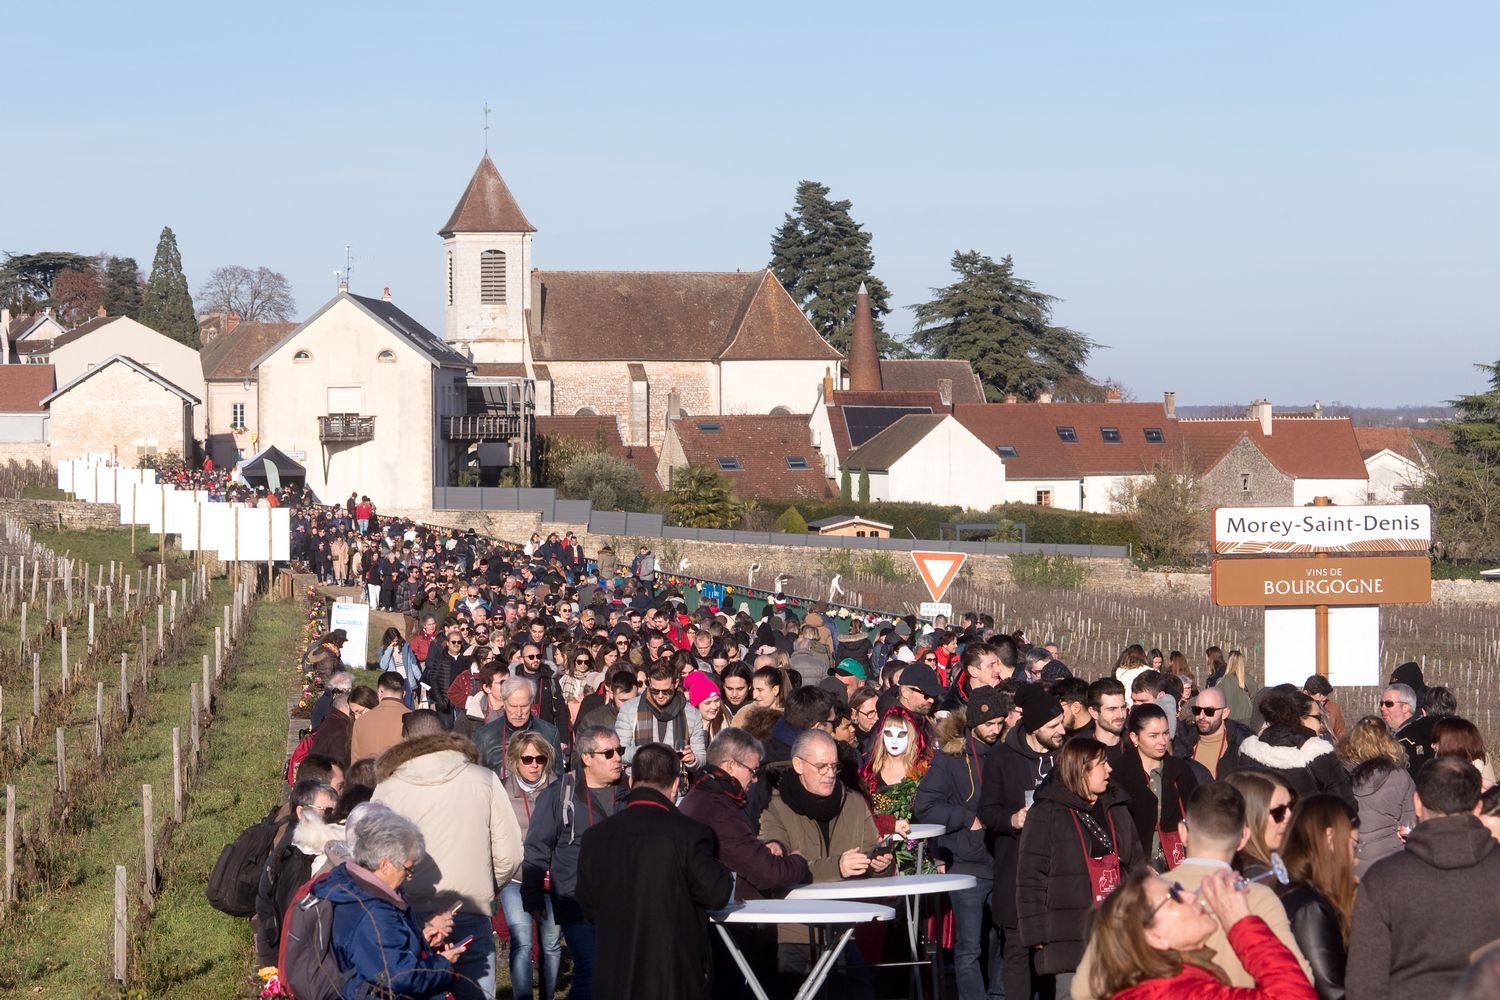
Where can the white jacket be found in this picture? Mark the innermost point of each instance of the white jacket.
(473, 839)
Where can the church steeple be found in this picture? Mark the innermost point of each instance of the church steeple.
(487, 270)
(487, 206)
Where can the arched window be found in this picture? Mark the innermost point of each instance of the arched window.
(492, 278)
(301, 357)
(388, 356)
(586, 411)
(450, 277)
(780, 411)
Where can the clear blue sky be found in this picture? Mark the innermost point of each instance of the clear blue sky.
(1283, 199)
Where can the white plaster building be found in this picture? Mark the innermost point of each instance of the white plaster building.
(929, 458)
(359, 394)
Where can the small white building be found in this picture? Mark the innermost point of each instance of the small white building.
(359, 394)
(1396, 459)
(120, 407)
(929, 458)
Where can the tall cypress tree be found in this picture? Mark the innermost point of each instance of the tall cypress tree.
(167, 305)
(820, 255)
(122, 287)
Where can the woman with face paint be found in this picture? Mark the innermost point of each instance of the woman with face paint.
(899, 758)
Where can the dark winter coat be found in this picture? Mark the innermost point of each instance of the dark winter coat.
(1012, 769)
(333, 737)
(1305, 762)
(949, 794)
(1177, 783)
(646, 877)
(550, 706)
(1416, 739)
(376, 940)
(492, 738)
(1054, 892)
(564, 811)
(1315, 925)
(1186, 741)
(1422, 912)
(718, 802)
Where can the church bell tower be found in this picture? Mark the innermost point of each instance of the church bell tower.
(487, 271)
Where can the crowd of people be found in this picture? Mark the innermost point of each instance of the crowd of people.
(557, 752)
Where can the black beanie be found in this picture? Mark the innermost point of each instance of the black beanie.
(985, 705)
(1037, 707)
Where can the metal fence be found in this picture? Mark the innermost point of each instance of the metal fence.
(613, 522)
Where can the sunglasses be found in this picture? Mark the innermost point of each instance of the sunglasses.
(609, 754)
(1279, 813)
(580, 663)
(1391, 704)
(1205, 710)
(531, 656)
(527, 758)
(1175, 894)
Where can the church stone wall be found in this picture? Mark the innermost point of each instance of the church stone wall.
(1224, 485)
(604, 386)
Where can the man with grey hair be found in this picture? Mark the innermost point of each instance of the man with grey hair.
(516, 696)
(333, 682)
(473, 840)
(565, 809)
(1398, 708)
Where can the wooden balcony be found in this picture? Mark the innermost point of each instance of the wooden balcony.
(346, 428)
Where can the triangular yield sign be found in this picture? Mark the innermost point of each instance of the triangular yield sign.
(938, 570)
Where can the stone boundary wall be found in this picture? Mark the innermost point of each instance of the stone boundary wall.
(62, 515)
(730, 562)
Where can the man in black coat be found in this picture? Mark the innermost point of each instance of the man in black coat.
(646, 878)
(1215, 732)
(1024, 757)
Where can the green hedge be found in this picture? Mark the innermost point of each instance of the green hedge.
(1043, 524)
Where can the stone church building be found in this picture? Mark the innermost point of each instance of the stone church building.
(621, 342)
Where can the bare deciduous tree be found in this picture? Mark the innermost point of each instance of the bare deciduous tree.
(258, 295)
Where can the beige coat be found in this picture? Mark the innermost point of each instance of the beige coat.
(465, 815)
(852, 827)
(377, 730)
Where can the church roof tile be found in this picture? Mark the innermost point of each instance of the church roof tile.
(487, 206)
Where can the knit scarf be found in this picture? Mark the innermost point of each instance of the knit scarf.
(719, 781)
(670, 719)
(820, 808)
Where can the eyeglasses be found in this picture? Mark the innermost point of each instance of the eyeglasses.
(929, 659)
(1205, 710)
(527, 758)
(754, 771)
(661, 692)
(1175, 894)
(1391, 704)
(609, 754)
(1279, 813)
(823, 769)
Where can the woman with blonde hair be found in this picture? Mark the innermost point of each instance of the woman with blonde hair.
(1151, 936)
(529, 761)
(1383, 789)
(1268, 813)
(1319, 853)
(1232, 683)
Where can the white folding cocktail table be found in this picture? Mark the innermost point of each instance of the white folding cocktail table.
(830, 912)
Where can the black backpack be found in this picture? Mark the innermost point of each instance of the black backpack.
(235, 880)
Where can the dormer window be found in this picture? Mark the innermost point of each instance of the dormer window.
(492, 278)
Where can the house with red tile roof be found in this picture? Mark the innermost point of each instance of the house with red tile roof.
(24, 421)
(1396, 458)
(1076, 456)
(231, 405)
(1262, 459)
(929, 458)
(763, 457)
(603, 434)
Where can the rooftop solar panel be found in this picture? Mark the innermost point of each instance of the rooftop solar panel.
(864, 422)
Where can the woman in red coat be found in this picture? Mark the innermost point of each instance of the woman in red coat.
(1150, 939)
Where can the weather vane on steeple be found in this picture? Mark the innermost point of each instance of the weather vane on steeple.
(486, 128)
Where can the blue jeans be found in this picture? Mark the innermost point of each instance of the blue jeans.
(974, 955)
(579, 934)
(522, 929)
(474, 972)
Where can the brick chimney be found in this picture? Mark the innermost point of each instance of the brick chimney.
(1044, 397)
(945, 392)
(864, 358)
(231, 320)
(385, 296)
(1111, 395)
(102, 313)
(1169, 403)
(1010, 398)
(827, 386)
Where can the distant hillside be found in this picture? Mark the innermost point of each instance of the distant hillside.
(1363, 416)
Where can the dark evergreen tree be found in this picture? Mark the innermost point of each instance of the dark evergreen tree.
(122, 287)
(864, 485)
(1003, 326)
(167, 305)
(1476, 425)
(820, 255)
(26, 279)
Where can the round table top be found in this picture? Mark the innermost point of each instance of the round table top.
(925, 831)
(801, 911)
(883, 888)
